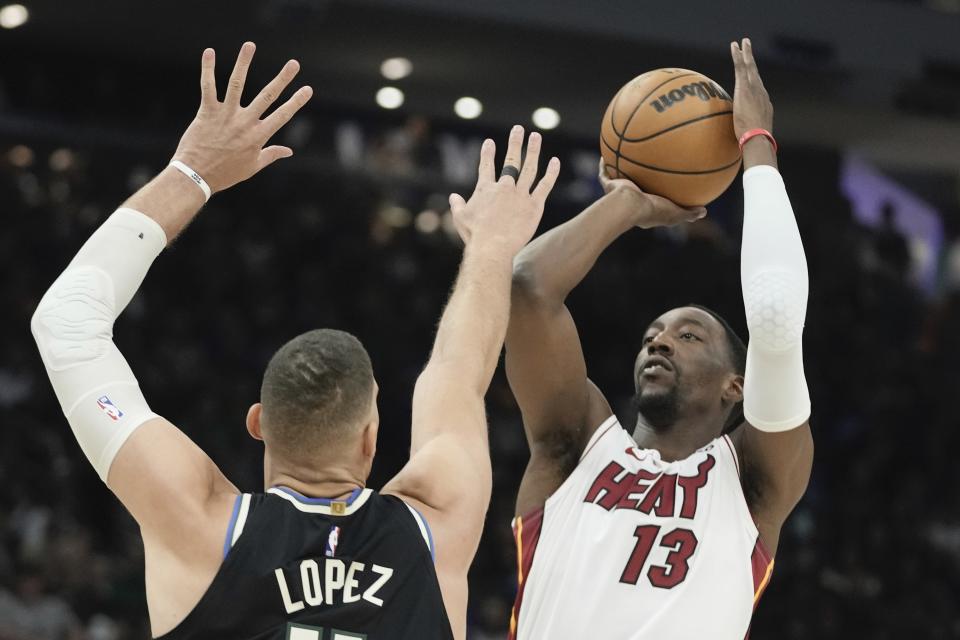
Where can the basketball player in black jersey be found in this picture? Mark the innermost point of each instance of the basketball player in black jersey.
(318, 556)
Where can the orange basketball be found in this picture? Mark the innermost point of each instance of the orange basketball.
(671, 132)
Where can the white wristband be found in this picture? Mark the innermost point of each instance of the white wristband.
(193, 175)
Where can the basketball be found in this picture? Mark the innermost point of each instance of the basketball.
(670, 131)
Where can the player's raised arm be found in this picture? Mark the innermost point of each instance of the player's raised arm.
(545, 362)
(167, 483)
(775, 446)
(449, 472)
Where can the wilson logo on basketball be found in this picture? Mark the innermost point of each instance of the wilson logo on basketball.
(703, 90)
(670, 131)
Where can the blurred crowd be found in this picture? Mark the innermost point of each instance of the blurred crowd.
(362, 242)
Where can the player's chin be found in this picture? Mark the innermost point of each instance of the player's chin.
(656, 384)
(653, 393)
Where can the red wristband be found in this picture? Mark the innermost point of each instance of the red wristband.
(757, 132)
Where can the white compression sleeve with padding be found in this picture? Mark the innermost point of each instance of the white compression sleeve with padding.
(73, 328)
(773, 272)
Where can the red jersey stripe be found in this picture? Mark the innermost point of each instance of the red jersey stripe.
(762, 565)
(526, 532)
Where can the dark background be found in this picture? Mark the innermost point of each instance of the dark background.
(352, 233)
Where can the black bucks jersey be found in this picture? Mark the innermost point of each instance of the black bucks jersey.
(298, 568)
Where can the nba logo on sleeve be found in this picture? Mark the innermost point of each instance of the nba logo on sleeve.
(332, 541)
(109, 408)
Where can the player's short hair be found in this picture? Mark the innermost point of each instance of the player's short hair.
(736, 348)
(737, 352)
(317, 388)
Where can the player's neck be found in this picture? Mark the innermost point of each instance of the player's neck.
(680, 439)
(317, 489)
(320, 481)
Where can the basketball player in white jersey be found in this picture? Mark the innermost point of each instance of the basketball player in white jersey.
(318, 556)
(668, 532)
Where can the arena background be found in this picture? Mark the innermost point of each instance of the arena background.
(352, 233)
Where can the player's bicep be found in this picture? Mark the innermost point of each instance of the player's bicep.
(546, 369)
(449, 481)
(165, 480)
(454, 514)
(777, 466)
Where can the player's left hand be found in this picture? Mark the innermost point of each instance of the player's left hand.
(649, 210)
(225, 142)
(752, 108)
(503, 213)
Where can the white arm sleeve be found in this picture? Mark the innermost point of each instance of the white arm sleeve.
(73, 328)
(773, 273)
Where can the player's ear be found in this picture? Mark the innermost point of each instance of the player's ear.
(253, 421)
(369, 436)
(733, 389)
(370, 440)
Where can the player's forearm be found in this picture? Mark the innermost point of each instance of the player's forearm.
(73, 324)
(73, 328)
(552, 265)
(474, 323)
(171, 199)
(775, 289)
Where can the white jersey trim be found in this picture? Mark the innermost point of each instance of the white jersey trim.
(605, 427)
(599, 433)
(751, 522)
(733, 450)
(241, 518)
(325, 506)
(424, 529)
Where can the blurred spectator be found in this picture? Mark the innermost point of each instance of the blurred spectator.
(31, 613)
(891, 246)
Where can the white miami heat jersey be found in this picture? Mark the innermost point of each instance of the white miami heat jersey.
(631, 547)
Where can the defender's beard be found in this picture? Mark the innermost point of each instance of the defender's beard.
(658, 408)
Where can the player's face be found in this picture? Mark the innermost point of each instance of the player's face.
(682, 353)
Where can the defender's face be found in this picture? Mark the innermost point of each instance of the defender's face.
(683, 348)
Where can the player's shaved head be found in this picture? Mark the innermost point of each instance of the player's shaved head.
(692, 370)
(317, 391)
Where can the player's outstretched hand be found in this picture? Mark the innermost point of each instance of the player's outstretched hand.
(751, 104)
(225, 142)
(503, 213)
(650, 210)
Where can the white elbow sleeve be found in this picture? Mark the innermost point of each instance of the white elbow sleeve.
(775, 287)
(73, 328)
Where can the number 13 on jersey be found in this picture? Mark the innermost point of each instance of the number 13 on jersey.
(681, 543)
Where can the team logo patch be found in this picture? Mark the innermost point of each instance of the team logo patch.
(112, 411)
(332, 541)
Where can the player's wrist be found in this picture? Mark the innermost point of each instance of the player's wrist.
(759, 150)
(189, 192)
(491, 248)
(194, 176)
(627, 206)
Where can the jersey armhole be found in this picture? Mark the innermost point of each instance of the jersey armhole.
(598, 433)
(238, 520)
(733, 452)
(754, 528)
(424, 530)
(608, 425)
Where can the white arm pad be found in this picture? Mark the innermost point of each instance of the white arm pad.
(73, 328)
(773, 272)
